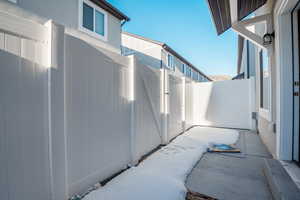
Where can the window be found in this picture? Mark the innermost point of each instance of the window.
(183, 68)
(99, 26)
(264, 80)
(88, 17)
(93, 19)
(171, 62)
(195, 75)
(13, 1)
(188, 71)
(201, 78)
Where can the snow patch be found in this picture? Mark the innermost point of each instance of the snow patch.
(162, 176)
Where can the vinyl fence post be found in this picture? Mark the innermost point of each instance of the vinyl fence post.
(132, 90)
(165, 104)
(183, 104)
(55, 56)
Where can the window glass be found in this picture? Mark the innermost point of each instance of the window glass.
(170, 61)
(13, 1)
(194, 75)
(88, 17)
(188, 71)
(99, 23)
(264, 80)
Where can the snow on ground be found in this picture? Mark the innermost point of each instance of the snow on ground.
(162, 175)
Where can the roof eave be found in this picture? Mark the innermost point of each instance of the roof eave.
(169, 49)
(111, 9)
(172, 51)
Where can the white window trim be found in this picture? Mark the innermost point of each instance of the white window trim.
(263, 112)
(80, 16)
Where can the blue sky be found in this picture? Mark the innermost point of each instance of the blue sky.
(186, 26)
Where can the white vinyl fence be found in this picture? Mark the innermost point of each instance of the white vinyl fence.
(226, 104)
(73, 114)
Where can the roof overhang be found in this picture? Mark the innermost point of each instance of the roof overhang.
(227, 12)
(111, 9)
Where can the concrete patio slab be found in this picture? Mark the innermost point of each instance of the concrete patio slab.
(233, 176)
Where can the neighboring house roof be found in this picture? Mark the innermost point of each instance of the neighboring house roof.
(221, 77)
(111, 9)
(239, 76)
(169, 49)
(220, 11)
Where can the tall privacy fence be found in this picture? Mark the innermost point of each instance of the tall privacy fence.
(73, 114)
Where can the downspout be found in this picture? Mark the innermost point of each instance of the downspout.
(248, 61)
(161, 63)
(123, 22)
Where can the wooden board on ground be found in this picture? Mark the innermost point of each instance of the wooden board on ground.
(197, 196)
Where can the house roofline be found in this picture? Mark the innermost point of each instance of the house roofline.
(144, 38)
(111, 9)
(169, 49)
(172, 51)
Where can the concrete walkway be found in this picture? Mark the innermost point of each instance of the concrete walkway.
(233, 176)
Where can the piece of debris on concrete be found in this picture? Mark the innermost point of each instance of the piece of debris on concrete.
(223, 148)
(197, 196)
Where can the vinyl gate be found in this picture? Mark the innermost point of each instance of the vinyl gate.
(148, 116)
(175, 115)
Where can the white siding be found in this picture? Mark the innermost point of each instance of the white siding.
(66, 12)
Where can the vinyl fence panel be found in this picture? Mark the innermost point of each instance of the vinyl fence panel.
(97, 113)
(188, 103)
(175, 106)
(224, 104)
(24, 137)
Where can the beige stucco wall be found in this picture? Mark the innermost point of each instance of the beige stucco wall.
(266, 126)
(267, 135)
